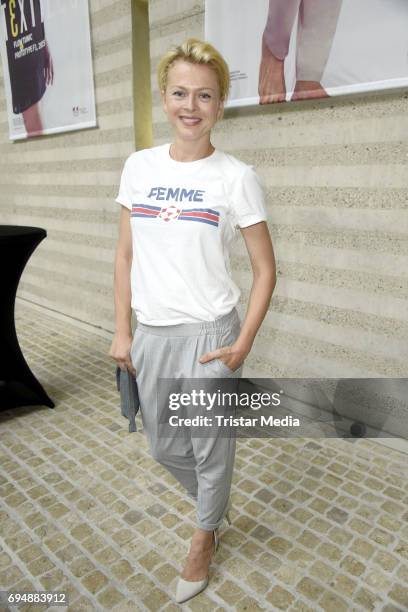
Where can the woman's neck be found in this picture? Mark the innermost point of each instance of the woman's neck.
(185, 152)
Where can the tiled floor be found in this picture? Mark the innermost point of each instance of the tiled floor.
(316, 524)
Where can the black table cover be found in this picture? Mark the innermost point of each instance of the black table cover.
(18, 385)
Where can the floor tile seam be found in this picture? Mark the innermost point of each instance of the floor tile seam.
(313, 464)
(302, 505)
(80, 350)
(347, 495)
(58, 323)
(326, 588)
(64, 419)
(18, 562)
(55, 559)
(322, 585)
(371, 474)
(112, 490)
(318, 557)
(262, 599)
(306, 550)
(324, 539)
(109, 465)
(94, 436)
(69, 340)
(248, 590)
(130, 466)
(358, 453)
(105, 536)
(369, 490)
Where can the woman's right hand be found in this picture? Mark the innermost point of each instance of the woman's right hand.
(120, 351)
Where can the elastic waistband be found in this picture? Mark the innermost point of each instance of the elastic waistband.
(193, 329)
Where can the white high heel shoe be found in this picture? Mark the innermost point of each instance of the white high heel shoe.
(186, 589)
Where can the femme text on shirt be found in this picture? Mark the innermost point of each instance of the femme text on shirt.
(176, 193)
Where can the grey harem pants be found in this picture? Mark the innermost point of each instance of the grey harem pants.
(203, 465)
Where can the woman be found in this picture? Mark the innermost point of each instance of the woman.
(181, 205)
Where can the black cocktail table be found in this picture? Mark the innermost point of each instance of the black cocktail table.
(18, 385)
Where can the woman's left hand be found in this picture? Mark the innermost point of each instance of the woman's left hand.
(232, 356)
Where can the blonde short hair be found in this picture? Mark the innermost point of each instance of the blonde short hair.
(197, 52)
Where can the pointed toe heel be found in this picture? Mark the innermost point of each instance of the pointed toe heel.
(187, 589)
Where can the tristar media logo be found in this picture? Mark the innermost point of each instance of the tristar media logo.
(169, 213)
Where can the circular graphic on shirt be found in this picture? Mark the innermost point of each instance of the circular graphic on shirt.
(168, 213)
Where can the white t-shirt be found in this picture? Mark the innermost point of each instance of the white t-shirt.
(184, 217)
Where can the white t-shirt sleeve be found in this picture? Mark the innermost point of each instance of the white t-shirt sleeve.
(247, 201)
(124, 196)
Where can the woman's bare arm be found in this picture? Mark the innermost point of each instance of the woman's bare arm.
(260, 250)
(122, 340)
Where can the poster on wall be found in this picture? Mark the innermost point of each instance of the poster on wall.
(287, 50)
(47, 66)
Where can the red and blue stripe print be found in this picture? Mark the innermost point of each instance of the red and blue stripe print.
(145, 210)
(172, 213)
(205, 215)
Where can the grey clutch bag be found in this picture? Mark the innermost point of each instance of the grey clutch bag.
(129, 396)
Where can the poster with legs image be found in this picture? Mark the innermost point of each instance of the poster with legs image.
(47, 66)
(288, 50)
